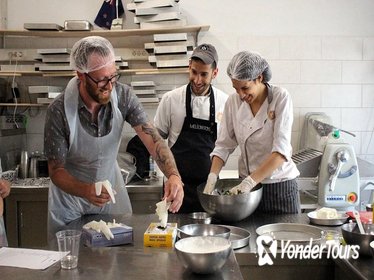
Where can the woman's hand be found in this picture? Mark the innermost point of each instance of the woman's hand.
(244, 187)
(210, 183)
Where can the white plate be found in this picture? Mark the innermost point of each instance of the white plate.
(342, 218)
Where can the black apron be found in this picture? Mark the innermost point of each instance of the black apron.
(192, 152)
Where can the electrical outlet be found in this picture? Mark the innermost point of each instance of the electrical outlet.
(14, 55)
(19, 54)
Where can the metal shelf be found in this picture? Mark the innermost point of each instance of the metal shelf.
(11, 132)
(22, 105)
(145, 71)
(105, 33)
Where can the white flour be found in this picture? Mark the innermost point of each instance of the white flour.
(202, 245)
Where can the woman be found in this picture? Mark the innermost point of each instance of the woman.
(258, 119)
(4, 192)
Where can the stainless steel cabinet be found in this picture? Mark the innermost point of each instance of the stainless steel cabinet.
(26, 211)
(144, 195)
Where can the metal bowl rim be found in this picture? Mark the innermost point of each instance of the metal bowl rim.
(211, 237)
(226, 229)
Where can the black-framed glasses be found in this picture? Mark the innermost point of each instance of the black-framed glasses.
(103, 83)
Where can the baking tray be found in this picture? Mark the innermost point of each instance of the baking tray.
(342, 218)
(42, 26)
(77, 25)
(239, 237)
(295, 233)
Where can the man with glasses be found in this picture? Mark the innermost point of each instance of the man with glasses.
(82, 136)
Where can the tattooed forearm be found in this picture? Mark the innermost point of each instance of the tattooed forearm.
(161, 153)
(163, 135)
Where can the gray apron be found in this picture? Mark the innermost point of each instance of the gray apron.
(89, 159)
(3, 240)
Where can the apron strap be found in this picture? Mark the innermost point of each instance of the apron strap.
(212, 110)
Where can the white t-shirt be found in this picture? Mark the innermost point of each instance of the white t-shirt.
(172, 110)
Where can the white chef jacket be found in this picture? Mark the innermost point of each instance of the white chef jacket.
(258, 136)
(172, 110)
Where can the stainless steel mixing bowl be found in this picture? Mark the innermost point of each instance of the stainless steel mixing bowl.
(204, 230)
(229, 208)
(203, 254)
(352, 236)
(200, 218)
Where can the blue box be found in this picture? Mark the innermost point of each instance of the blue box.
(122, 235)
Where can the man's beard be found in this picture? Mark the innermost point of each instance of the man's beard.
(98, 95)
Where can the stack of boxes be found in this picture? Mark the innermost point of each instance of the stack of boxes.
(53, 60)
(145, 91)
(170, 50)
(45, 94)
(157, 13)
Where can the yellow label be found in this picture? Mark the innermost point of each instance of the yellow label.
(155, 236)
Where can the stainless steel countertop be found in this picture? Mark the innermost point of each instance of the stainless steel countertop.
(133, 261)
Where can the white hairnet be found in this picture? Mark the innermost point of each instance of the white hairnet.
(91, 53)
(247, 66)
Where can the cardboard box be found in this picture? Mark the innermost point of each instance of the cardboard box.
(122, 235)
(155, 236)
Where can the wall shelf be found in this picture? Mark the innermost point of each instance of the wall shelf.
(105, 33)
(11, 132)
(21, 105)
(16, 35)
(145, 71)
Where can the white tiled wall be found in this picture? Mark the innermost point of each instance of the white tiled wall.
(321, 51)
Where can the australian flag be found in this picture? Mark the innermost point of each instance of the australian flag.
(108, 12)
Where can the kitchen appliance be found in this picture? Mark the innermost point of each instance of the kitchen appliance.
(338, 175)
(24, 166)
(338, 181)
(38, 166)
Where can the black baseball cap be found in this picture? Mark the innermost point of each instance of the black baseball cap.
(207, 53)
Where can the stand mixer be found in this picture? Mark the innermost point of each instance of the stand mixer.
(338, 178)
(338, 181)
